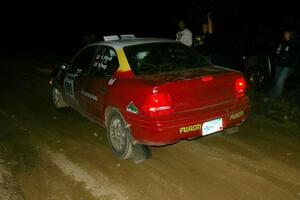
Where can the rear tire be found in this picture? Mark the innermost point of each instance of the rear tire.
(118, 136)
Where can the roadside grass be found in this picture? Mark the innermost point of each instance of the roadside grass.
(284, 109)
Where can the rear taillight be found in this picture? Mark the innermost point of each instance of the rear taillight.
(240, 87)
(158, 104)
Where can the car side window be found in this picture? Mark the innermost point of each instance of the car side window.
(105, 62)
(82, 62)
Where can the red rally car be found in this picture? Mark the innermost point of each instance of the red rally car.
(150, 92)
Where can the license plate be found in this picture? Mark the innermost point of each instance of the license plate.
(212, 126)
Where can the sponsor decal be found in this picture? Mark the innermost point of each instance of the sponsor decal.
(236, 115)
(68, 84)
(111, 81)
(95, 64)
(91, 96)
(191, 128)
(132, 108)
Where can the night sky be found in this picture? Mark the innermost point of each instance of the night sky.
(58, 25)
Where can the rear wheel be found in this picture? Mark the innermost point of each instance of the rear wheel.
(119, 136)
(57, 99)
(256, 78)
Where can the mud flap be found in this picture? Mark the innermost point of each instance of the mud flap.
(231, 130)
(141, 153)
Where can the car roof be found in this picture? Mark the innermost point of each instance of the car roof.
(120, 43)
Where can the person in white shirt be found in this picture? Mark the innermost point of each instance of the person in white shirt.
(184, 35)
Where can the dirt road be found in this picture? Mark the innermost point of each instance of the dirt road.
(47, 154)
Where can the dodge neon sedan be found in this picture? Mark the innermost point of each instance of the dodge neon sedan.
(150, 92)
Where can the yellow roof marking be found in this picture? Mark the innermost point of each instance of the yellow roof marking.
(124, 65)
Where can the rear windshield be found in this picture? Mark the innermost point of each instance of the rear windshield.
(155, 58)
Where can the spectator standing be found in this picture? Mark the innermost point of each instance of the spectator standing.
(184, 35)
(203, 41)
(285, 60)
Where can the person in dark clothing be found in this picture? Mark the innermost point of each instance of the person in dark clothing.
(203, 41)
(285, 60)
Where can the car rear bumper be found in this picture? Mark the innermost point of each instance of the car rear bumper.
(187, 125)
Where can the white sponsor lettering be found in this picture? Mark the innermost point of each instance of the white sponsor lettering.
(91, 96)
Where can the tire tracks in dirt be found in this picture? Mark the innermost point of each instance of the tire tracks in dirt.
(99, 185)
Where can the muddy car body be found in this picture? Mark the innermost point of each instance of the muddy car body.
(150, 92)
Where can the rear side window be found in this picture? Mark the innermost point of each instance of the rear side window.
(154, 58)
(105, 62)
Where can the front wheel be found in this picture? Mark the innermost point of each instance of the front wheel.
(119, 136)
(57, 99)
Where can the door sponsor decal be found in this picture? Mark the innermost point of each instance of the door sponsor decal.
(91, 96)
(69, 85)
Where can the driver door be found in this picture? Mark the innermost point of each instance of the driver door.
(79, 69)
(95, 87)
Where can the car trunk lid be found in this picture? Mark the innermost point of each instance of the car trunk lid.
(197, 88)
